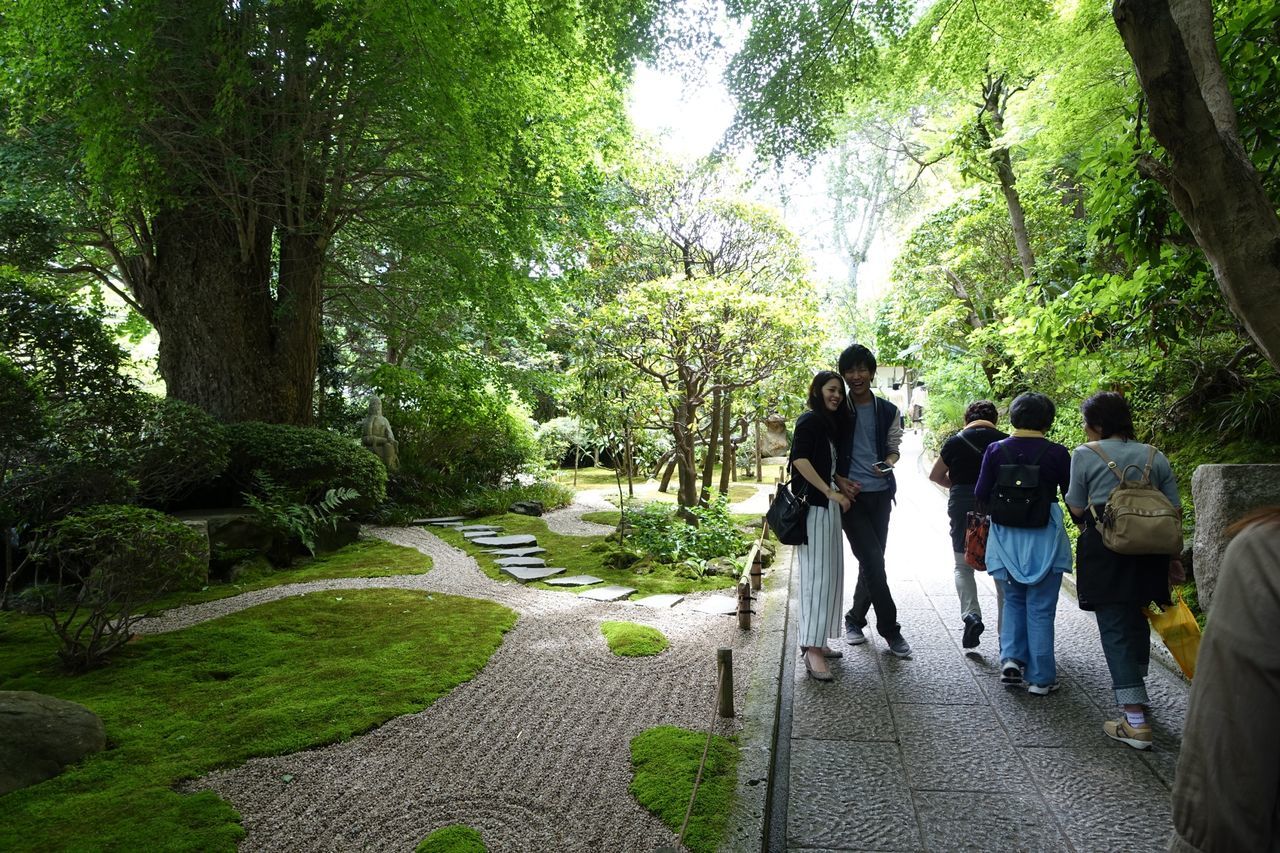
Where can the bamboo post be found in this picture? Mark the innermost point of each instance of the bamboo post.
(744, 602)
(757, 569)
(724, 664)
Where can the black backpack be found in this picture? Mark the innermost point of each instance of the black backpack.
(1019, 498)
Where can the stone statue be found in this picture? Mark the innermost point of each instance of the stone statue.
(376, 435)
(775, 438)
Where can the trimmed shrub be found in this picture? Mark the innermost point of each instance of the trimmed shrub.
(627, 639)
(306, 462)
(108, 562)
(178, 446)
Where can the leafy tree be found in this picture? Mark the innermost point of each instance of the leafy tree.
(204, 159)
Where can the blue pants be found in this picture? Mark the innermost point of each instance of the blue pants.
(1126, 643)
(1027, 633)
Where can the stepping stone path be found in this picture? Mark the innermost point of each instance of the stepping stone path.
(721, 605)
(575, 580)
(613, 592)
(442, 520)
(485, 527)
(531, 573)
(476, 534)
(659, 602)
(520, 561)
(516, 552)
(506, 541)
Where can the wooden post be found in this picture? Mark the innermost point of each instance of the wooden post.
(744, 602)
(757, 569)
(724, 665)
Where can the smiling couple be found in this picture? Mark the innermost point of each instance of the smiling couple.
(845, 448)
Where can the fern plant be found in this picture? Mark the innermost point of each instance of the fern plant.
(288, 518)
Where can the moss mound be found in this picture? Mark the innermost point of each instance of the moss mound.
(664, 763)
(452, 839)
(629, 640)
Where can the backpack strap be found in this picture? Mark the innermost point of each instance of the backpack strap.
(1096, 447)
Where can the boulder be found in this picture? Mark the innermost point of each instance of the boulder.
(40, 735)
(1222, 494)
(527, 508)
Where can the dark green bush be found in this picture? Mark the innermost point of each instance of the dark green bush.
(661, 533)
(306, 462)
(177, 447)
(457, 435)
(105, 564)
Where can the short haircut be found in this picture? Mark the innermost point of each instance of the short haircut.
(981, 410)
(1108, 412)
(1032, 411)
(857, 355)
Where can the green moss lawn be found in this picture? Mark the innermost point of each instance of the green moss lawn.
(575, 554)
(273, 679)
(367, 558)
(612, 516)
(629, 640)
(664, 763)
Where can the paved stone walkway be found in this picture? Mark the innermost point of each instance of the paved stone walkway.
(933, 753)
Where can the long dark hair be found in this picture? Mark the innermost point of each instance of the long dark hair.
(832, 422)
(1108, 412)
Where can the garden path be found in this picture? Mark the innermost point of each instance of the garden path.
(534, 752)
(933, 753)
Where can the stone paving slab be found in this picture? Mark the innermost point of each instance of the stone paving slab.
(987, 822)
(516, 552)
(850, 795)
(613, 592)
(531, 573)
(717, 605)
(443, 519)
(477, 534)
(471, 527)
(575, 580)
(659, 602)
(506, 541)
(520, 561)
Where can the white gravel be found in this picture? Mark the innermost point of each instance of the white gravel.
(534, 752)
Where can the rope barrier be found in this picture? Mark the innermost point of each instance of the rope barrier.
(693, 795)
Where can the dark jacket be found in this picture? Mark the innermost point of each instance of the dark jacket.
(887, 418)
(810, 440)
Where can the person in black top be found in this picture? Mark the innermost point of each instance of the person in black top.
(957, 471)
(821, 573)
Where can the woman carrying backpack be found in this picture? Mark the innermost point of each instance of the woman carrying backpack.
(1027, 549)
(957, 471)
(1117, 586)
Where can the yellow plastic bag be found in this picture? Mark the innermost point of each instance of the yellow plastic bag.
(1177, 626)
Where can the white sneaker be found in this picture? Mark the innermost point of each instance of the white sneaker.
(1042, 689)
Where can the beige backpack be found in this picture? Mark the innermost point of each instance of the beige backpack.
(1138, 519)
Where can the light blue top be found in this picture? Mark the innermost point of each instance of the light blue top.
(1028, 554)
(1091, 482)
(863, 452)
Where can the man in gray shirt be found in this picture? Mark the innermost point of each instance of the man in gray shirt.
(866, 463)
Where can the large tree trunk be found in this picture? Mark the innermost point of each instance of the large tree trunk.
(228, 344)
(1211, 180)
(686, 469)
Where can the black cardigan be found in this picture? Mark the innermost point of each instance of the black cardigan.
(809, 440)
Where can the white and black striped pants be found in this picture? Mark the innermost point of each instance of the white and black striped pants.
(821, 581)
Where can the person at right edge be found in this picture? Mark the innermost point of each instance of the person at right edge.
(867, 461)
(1117, 586)
(1226, 795)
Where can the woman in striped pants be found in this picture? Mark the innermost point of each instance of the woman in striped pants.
(821, 577)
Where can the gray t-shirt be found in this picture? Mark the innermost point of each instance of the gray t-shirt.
(864, 451)
(1091, 482)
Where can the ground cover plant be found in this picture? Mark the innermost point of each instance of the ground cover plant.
(664, 764)
(274, 679)
(452, 839)
(629, 640)
(367, 558)
(580, 555)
